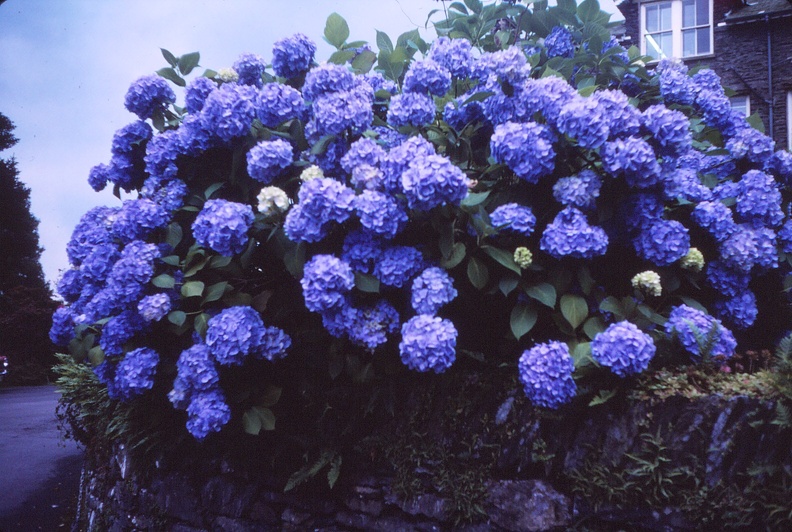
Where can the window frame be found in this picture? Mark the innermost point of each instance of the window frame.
(677, 45)
(746, 98)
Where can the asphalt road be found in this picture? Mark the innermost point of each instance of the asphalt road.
(39, 471)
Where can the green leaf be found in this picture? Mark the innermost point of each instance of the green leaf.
(260, 301)
(266, 416)
(96, 355)
(383, 42)
(334, 471)
(171, 260)
(294, 259)
(336, 30)
(523, 318)
(602, 397)
(169, 57)
(340, 57)
(614, 306)
(588, 10)
(574, 309)
(219, 261)
(567, 5)
(508, 284)
(458, 252)
(593, 326)
(177, 317)
(475, 198)
(477, 273)
(215, 291)
(212, 189)
(364, 61)
(479, 97)
(586, 281)
(689, 301)
(164, 281)
(251, 422)
(192, 288)
(367, 283)
(271, 396)
(475, 5)
(171, 75)
(755, 121)
(544, 293)
(321, 145)
(581, 354)
(188, 62)
(502, 257)
(201, 323)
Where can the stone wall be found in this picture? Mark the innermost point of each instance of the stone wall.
(536, 484)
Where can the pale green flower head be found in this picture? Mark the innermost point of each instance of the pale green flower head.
(311, 172)
(227, 75)
(523, 257)
(693, 261)
(272, 201)
(648, 282)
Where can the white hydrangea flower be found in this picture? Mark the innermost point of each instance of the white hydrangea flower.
(311, 172)
(648, 282)
(227, 75)
(693, 261)
(272, 201)
(523, 257)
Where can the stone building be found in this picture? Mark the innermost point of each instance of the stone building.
(747, 42)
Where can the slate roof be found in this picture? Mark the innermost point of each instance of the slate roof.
(757, 9)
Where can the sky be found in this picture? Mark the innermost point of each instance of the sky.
(66, 65)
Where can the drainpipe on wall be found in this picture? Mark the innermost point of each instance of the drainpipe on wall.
(770, 74)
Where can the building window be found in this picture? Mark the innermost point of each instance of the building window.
(742, 104)
(676, 28)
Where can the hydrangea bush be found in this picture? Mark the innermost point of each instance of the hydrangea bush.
(523, 191)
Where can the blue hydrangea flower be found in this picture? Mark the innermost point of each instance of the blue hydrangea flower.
(759, 200)
(131, 139)
(623, 348)
(427, 77)
(161, 154)
(126, 172)
(207, 412)
(154, 307)
(545, 371)
(751, 144)
(292, 56)
(378, 82)
(278, 103)
(229, 111)
(559, 43)
(504, 66)
(676, 87)
(135, 373)
(99, 176)
(432, 289)
(380, 213)
(249, 68)
(662, 242)
(326, 279)
(432, 181)
(362, 151)
(525, 148)
(689, 325)
(222, 226)
(458, 114)
(399, 158)
(784, 240)
(570, 235)
(670, 128)
(453, 54)
(337, 112)
(130, 273)
(274, 344)
(62, 330)
(582, 119)
(781, 165)
(148, 95)
(196, 370)
(641, 209)
(362, 249)
(428, 343)
(748, 247)
(119, 330)
(99, 263)
(546, 95)
(325, 78)
(105, 373)
(727, 281)
(196, 92)
(683, 183)
(235, 333)
(398, 265)
(579, 191)
(137, 219)
(194, 137)
(707, 79)
(70, 285)
(411, 109)
(624, 119)
(714, 107)
(268, 159)
(633, 158)
(321, 202)
(169, 196)
(370, 326)
(716, 218)
(514, 217)
(740, 312)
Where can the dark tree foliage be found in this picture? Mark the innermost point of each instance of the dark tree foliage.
(25, 299)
